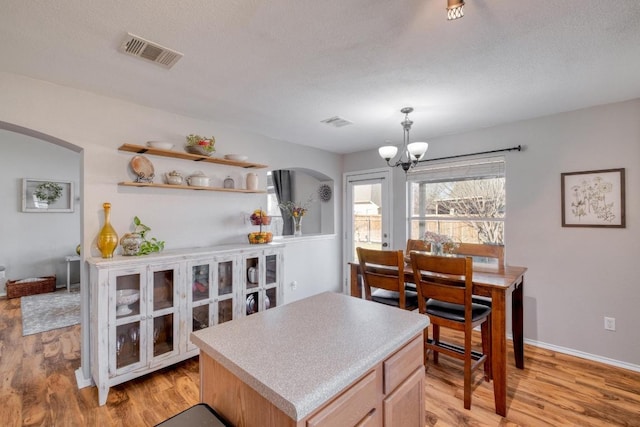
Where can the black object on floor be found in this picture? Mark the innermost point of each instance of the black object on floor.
(198, 415)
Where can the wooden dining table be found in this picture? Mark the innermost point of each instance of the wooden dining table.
(495, 282)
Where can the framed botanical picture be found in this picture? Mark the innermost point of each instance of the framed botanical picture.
(593, 198)
(43, 195)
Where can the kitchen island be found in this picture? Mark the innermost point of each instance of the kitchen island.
(329, 359)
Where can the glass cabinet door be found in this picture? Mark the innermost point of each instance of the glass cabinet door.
(226, 278)
(127, 318)
(272, 267)
(128, 345)
(252, 282)
(164, 306)
(272, 263)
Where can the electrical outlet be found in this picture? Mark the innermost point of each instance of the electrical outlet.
(610, 323)
(294, 285)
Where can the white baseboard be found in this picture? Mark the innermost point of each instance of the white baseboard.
(582, 354)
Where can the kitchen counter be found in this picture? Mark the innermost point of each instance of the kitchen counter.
(301, 355)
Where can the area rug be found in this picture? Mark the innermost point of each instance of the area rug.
(45, 312)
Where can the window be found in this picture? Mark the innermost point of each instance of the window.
(463, 200)
(272, 207)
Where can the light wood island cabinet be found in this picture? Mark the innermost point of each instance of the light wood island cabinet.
(327, 360)
(166, 297)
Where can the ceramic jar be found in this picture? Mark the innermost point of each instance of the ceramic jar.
(131, 243)
(252, 181)
(198, 179)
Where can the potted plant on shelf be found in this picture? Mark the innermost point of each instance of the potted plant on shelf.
(201, 145)
(136, 243)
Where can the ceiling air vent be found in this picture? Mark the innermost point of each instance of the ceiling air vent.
(336, 121)
(137, 46)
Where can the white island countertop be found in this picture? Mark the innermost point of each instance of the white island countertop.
(300, 355)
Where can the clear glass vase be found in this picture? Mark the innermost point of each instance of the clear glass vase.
(436, 249)
(297, 226)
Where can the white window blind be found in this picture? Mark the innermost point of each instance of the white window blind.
(489, 167)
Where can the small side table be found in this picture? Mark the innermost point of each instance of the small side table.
(69, 259)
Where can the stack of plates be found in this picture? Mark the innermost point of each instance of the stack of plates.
(160, 144)
(236, 157)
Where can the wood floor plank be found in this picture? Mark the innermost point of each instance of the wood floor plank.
(38, 388)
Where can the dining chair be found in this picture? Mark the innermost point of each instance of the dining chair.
(444, 294)
(383, 278)
(479, 250)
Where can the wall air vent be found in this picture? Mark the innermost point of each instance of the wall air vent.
(137, 46)
(336, 121)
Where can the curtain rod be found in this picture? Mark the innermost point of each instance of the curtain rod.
(518, 148)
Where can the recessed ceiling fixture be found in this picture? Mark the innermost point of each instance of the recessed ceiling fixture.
(137, 46)
(455, 9)
(411, 152)
(336, 121)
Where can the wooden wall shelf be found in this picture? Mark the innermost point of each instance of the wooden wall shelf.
(188, 187)
(139, 149)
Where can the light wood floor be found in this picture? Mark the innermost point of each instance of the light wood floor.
(38, 388)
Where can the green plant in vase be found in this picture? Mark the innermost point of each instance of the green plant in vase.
(147, 246)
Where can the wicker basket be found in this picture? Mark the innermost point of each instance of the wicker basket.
(31, 286)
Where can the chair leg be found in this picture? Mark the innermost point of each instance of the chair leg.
(467, 373)
(486, 348)
(436, 340)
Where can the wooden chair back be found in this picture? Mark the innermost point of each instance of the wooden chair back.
(466, 249)
(417, 245)
(481, 250)
(447, 279)
(382, 270)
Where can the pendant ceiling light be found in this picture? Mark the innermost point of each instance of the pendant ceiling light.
(411, 152)
(455, 9)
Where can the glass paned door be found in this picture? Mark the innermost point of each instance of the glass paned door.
(367, 214)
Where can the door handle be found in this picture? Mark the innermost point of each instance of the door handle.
(384, 245)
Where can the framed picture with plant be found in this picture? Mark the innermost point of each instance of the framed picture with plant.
(593, 198)
(47, 195)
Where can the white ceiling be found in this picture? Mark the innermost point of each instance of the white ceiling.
(279, 67)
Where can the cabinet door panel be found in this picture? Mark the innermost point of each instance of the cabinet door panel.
(351, 407)
(401, 364)
(405, 406)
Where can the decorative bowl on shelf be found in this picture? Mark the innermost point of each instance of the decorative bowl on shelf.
(260, 237)
(124, 298)
(236, 157)
(160, 144)
(196, 149)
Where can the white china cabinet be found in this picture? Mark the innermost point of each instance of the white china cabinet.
(143, 308)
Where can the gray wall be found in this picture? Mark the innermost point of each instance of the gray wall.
(576, 276)
(34, 244)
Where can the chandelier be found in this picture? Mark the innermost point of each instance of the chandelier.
(411, 152)
(455, 9)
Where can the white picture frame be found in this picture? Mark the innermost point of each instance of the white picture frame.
(62, 203)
